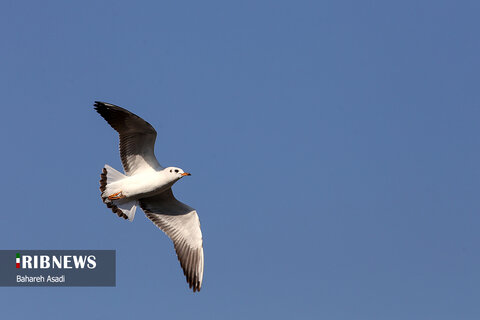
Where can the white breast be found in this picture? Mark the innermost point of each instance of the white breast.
(144, 184)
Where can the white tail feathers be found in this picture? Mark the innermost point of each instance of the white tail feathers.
(127, 208)
(113, 175)
(122, 207)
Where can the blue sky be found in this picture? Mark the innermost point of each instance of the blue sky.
(333, 147)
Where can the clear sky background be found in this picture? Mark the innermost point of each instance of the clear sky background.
(333, 145)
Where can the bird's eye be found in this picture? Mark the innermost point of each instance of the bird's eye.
(176, 170)
(170, 170)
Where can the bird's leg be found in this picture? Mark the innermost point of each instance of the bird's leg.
(116, 196)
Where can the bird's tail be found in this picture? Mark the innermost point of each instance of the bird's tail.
(122, 207)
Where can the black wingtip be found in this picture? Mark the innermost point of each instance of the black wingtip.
(103, 108)
(100, 104)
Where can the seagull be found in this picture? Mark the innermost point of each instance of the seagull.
(149, 185)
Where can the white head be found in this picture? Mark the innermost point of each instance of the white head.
(176, 173)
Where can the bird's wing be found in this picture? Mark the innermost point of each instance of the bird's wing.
(180, 222)
(137, 138)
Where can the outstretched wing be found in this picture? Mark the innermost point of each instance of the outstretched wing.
(180, 222)
(137, 138)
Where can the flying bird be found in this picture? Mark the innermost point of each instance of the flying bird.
(149, 185)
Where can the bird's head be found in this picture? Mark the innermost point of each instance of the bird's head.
(176, 172)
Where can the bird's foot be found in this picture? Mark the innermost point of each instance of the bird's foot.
(116, 196)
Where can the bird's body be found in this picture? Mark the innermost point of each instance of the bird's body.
(141, 185)
(148, 185)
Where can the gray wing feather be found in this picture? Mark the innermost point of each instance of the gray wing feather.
(137, 138)
(180, 222)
